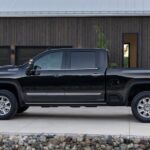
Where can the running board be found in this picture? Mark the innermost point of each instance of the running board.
(67, 104)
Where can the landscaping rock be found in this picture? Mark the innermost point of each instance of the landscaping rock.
(72, 142)
(123, 147)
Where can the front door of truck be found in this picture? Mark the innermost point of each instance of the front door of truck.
(85, 79)
(46, 85)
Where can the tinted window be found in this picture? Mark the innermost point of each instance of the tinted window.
(51, 61)
(83, 60)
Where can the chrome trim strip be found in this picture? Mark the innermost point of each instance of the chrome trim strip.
(71, 69)
(95, 68)
(83, 94)
(45, 94)
(64, 94)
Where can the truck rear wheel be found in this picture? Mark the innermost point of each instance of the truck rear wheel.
(22, 109)
(141, 106)
(8, 105)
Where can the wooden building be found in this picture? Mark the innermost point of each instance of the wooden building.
(28, 27)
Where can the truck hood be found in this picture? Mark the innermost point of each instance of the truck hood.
(10, 71)
(9, 68)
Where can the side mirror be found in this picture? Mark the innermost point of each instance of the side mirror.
(30, 67)
(36, 68)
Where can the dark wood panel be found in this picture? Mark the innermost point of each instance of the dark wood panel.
(23, 54)
(77, 32)
(4, 56)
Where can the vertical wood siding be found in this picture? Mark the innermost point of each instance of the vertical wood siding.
(77, 32)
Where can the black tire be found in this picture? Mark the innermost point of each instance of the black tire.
(22, 109)
(134, 106)
(10, 97)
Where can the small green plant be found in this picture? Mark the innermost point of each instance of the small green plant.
(113, 65)
(102, 43)
(101, 39)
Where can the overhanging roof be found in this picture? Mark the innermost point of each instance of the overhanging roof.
(60, 8)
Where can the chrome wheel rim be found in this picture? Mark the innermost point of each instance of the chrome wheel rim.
(5, 105)
(143, 107)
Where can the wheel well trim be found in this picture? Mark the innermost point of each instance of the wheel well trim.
(131, 86)
(18, 88)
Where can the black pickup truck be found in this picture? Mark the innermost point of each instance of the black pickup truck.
(73, 77)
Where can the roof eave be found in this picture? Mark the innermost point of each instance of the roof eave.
(73, 13)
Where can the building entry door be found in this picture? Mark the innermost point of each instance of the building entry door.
(130, 50)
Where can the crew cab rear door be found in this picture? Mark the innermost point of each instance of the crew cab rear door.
(85, 79)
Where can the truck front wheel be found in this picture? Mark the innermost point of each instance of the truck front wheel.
(141, 106)
(8, 105)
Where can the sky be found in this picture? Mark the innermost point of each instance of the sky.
(74, 5)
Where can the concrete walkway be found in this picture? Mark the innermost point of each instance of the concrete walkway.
(100, 120)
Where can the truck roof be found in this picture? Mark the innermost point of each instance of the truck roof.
(80, 49)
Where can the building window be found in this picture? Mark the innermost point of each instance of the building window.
(126, 55)
(130, 50)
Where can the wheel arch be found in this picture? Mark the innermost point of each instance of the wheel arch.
(136, 88)
(15, 88)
